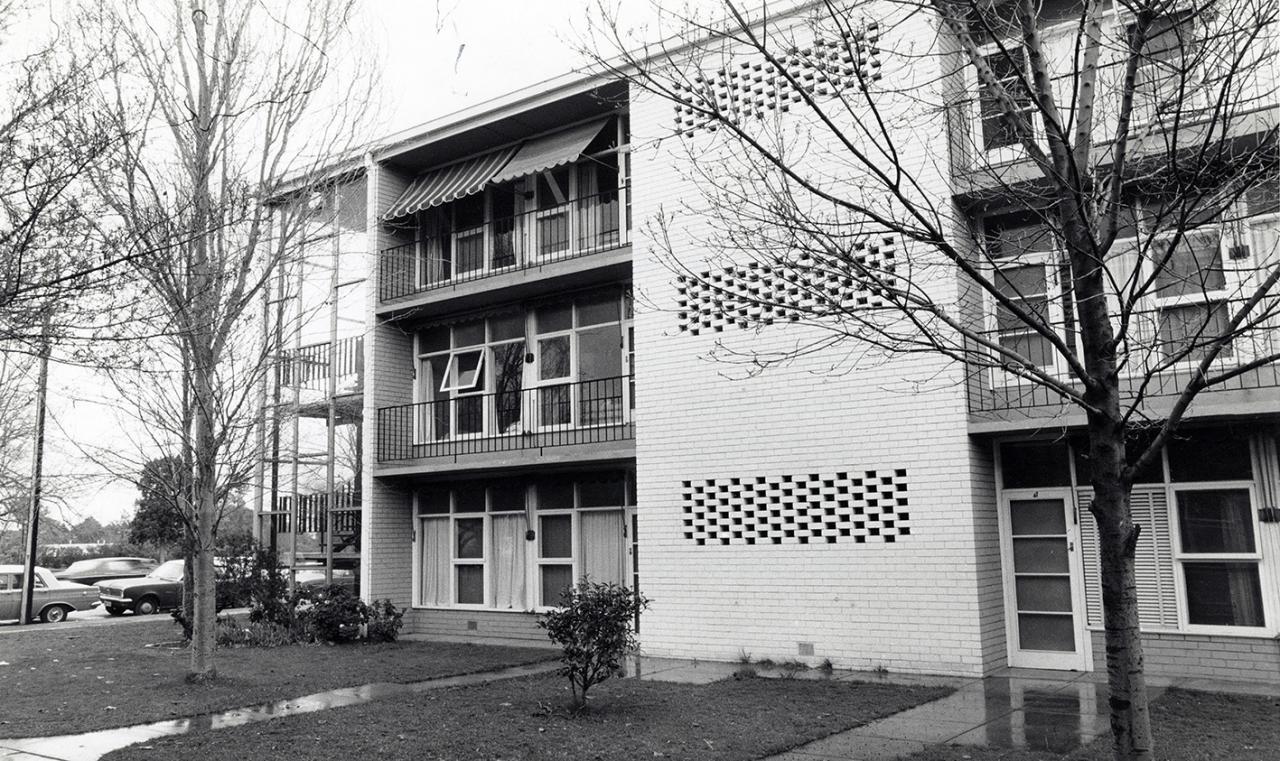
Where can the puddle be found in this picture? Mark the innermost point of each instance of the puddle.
(90, 746)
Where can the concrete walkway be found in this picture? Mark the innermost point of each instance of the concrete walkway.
(1016, 708)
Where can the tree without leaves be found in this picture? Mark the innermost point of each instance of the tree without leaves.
(223, 104)
(1122, 144)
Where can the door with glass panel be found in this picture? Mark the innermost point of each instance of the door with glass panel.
(1043, 574)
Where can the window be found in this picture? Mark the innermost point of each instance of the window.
(1219, 557)
(1190, 292)
(1168, 82)
(1009, 68)
(473, 549)
(1029, 270)
(470, 378)
(471, 538)
(582, 532)
(579, 361)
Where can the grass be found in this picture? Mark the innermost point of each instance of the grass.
(526, 719)
(1188, 726)
(74, 680)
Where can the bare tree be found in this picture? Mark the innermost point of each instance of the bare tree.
(230, 106)
(1128, 140)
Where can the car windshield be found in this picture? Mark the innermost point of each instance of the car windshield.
(81, 565)
(170, 571)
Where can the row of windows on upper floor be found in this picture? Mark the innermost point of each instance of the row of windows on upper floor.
(1187, 71)
(1188, 267)
(577, 206)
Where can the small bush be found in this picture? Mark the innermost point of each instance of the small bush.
(594, 629)
(330, 614)
(746, 672)
(384, 622)
(335, 615)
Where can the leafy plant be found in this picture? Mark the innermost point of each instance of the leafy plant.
(233, 633)
(384, 622)
(594, 628)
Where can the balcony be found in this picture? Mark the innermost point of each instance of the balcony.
(317, 523)
(564, 414)
(509, 245)
(308, 367)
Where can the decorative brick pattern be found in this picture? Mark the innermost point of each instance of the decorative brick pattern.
(797, 509)
(753, 88)
(809, 286)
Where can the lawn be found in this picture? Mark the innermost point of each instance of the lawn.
(1189, 726)
(525, 719)
(71, 680)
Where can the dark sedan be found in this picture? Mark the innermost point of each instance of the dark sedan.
(95, 570)
(159, 590)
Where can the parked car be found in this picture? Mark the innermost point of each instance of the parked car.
(94, 570)
(313, 579)
(51, 599)
(159, 590)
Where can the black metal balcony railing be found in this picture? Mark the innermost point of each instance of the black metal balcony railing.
(508, 244)
(994, 390)
(564, 414)
(309, 366)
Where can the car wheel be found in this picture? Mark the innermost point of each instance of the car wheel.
(53, 614)
(146, 606)
(115, 610)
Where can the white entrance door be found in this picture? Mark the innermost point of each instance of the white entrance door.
(1044, 603)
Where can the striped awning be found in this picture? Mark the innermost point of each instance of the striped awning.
(551, 151)
(450, 183)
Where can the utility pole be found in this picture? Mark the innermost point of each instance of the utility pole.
(37, 466)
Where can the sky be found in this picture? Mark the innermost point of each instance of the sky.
(437, 57)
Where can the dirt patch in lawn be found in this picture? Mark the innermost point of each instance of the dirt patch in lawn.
(1188, 726)
(76, 680)
(525, 719)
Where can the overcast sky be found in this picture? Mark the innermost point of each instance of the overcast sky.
(437, 56)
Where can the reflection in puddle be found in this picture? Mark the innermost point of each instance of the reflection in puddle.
(89, 746)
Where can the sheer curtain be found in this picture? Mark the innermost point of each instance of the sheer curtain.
(603, 546)
(434, 587)
(508, 564)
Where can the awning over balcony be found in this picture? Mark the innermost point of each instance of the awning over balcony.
(551, 151)
(450, 183)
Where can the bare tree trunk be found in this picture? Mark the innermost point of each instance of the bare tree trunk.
(205, 591)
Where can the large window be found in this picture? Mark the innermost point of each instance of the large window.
(1190, 293)
(1009, 67)
(1029, 272)
(579, 352)
(471, 374)
(1168, 81)
(512, 544)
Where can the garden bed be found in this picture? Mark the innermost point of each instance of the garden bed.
(74, 680)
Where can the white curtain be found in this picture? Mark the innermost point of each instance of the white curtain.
(603, 546)
(508, 561)
(434, 587)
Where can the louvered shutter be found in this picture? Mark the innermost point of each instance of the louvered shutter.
(1153, 560)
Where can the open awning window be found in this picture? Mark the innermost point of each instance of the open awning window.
(550, 151)
(450, 183)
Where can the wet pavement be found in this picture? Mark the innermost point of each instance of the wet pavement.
(1015, 708)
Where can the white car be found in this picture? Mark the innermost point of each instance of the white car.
(51, 599)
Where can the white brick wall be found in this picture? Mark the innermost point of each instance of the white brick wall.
(919, 604)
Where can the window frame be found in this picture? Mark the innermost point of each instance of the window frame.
(1181, 558)
(1052, 261)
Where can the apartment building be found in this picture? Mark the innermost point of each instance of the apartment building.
(541, 406)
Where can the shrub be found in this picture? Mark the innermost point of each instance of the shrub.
(384, 622)
(594, 629)
(334, 614)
